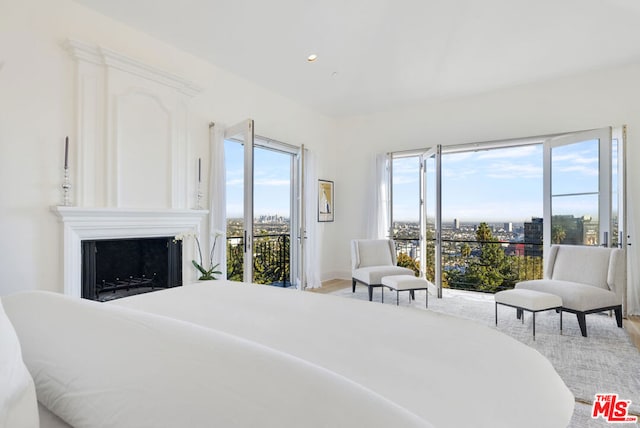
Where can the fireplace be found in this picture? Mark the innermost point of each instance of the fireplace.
(113, 224)
(115, 268)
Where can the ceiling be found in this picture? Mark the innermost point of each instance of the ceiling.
(382, 55)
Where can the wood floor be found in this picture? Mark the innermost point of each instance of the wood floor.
(631, 324)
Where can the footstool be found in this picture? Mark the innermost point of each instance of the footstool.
(408, 283)
(529, 300)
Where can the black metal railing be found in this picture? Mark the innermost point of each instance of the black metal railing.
(271, 259)
(487, 266)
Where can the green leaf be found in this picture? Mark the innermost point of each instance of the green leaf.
(200, 268)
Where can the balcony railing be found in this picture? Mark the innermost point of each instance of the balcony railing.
(488, 266)
(271, 259)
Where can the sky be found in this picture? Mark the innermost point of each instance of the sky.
(498, 185)
(502, 185)
(272, 181)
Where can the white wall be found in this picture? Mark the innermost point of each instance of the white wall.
(593, 100)
(37, 110)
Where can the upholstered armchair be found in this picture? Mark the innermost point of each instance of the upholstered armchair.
(372, 259)
(588, 279)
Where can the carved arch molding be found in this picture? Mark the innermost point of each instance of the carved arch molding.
(131, 143)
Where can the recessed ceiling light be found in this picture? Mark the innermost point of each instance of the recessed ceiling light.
(312, 57)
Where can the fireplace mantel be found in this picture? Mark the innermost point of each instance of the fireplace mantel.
(112, 223)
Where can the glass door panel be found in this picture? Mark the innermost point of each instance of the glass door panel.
(575, 220)
(618, 211)
(273, 172)
(431, 221)
(405, 212)
(234, 161)
(578, 188)
(238, 141)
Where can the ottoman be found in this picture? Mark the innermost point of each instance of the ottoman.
(529, 300)
(408, 283)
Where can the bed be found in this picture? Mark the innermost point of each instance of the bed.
(221, 353)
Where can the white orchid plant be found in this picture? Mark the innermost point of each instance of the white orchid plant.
(212, 271)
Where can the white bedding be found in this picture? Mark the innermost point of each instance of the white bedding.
(18, 406)
(97, 365)
(448, 371)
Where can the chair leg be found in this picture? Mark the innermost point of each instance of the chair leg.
(534, 325)
(413, 295)
(353, 285)
(519, 314)
(618, 312)
(583, 323)
(370, 293)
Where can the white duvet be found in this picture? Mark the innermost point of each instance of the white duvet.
(448, 371)
(97, 365)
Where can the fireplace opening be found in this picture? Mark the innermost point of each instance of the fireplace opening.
(115, 268)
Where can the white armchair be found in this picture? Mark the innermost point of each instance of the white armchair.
(373, 259)
(588, 279)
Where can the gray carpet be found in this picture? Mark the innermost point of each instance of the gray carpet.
(604, 362)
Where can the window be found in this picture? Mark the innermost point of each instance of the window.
(486, 212)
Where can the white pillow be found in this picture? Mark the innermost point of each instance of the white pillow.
(18, 403)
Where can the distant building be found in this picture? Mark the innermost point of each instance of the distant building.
(456, 224)
(567, 229)
(533, 234)
(508, 227)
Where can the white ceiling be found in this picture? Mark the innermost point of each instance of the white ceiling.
(381, 55)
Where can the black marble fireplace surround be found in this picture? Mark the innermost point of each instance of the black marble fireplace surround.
(114, 268)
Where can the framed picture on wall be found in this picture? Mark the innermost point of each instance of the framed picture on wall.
(325, 200)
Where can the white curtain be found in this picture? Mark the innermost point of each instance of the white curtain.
(380, 206)
(312, 246)
(217, 198)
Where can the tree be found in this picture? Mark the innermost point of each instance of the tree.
(492, 267)
(465, 250)
(235, 257)
(484, 234)
(405, 261)
(558, 234)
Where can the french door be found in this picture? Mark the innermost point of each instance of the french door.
(238, 141)
(578, 184)
(431, 217)
(263, 207)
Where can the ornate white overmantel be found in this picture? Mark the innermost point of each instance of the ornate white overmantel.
(109, 223)
(132, 130)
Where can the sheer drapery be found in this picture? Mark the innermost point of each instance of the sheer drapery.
(379, 211)
(312, 247)
(217, 198)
